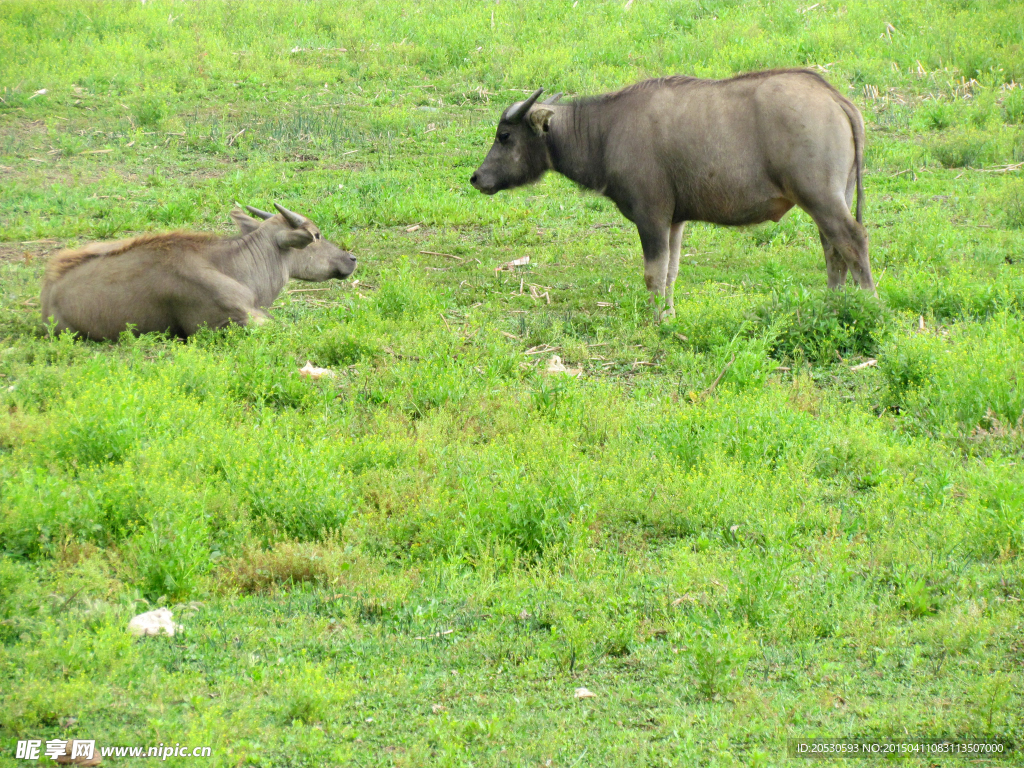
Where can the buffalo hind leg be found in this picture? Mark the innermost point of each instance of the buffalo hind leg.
(835, 265)
(848, 239)
(655, 242)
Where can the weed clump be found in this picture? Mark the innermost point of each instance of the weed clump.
(149, 110)
(527, 514)
(1000, 532)
(304, 699)
(292, 492)
(821, 326)
(936, 115)
(19, 603)
(955, 295)
(340, 347)
(709, 321)
(1013, 206)
(401, 296)
(263, 379)
(1013, 107)
(960, 150)
(173, 552)
(718, 658)
(960, 380)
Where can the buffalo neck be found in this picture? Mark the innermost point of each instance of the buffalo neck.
(576, 142)
(255, 260)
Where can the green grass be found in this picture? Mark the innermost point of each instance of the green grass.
(720, 528)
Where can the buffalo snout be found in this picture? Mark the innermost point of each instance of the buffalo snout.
(345, 264)
(483, 184)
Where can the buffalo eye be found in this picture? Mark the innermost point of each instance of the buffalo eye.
(504, 136)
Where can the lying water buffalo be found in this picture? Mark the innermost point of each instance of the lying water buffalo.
(179, 281)
(737, 151)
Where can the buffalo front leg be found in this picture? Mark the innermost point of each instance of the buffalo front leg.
(219, 300)
(655, 241)
(675, 247)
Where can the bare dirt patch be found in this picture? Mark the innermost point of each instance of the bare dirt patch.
(19, 129)
(344, 166)
(29, 252)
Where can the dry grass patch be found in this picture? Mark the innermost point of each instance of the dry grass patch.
(289, 563)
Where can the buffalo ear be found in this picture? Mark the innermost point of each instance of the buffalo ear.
(246, 224)
(539, 118)
(293, 238)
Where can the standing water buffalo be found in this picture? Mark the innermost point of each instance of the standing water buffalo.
(737, 151)
(179, 281)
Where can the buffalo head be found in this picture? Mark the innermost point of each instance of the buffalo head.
(519, 154)
(320, 259)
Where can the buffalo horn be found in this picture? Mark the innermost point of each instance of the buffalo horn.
(552, 99)
(517, 114)
(258, 212)
(290, 216)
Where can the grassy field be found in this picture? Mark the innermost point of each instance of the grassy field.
(727, 528)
